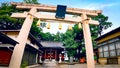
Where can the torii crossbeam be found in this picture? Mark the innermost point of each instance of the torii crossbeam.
(33, 13)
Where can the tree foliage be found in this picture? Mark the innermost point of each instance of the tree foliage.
(31, 1)
(104, 24)
(7, 22)
(47, 36)
(95, 31)
(69, 42)
(36, 31)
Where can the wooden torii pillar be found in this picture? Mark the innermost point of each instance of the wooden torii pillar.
(33, 13)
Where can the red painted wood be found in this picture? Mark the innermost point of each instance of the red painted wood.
(5, 56)
(50, 55)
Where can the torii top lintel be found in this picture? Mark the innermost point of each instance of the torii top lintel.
(48, 8)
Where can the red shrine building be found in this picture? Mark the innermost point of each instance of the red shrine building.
(52, 50)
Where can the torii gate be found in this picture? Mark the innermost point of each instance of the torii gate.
(33, 13)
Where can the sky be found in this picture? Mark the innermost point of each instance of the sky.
(110, 8)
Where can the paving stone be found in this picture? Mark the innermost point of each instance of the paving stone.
(51, 64)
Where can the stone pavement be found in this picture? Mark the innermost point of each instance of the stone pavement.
(85, 66)
(48, 64)
(53, 64)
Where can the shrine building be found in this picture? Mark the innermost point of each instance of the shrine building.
(52, 50)
(109, 46)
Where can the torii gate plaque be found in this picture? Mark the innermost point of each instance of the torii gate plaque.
(33, 13)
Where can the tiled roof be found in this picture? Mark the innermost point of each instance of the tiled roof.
(33, 39)
(52, 44)
(9, 30)
(28, 46)
(7, 40)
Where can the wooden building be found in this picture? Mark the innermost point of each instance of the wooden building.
(6, 46)
(52, 50)
(32, 48)
(109, 46)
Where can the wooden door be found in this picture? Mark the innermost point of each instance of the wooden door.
(50, 54)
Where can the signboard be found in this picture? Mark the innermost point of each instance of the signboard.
(60, 12)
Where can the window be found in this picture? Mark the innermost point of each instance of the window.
(111, 46)
(100, 49)
(117, 45)
(112, 53)
(100, 54)
(112, 49)
(105, 48)
(118, 52)
(118, 48)
(106, 54)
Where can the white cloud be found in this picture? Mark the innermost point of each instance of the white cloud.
(100, 6)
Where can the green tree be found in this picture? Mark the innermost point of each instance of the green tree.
(7, 22)
(31, 1)
(47, 36)
(36, 31)
(58, 36)
(104, 24)
(95, 31)
(69, 42)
